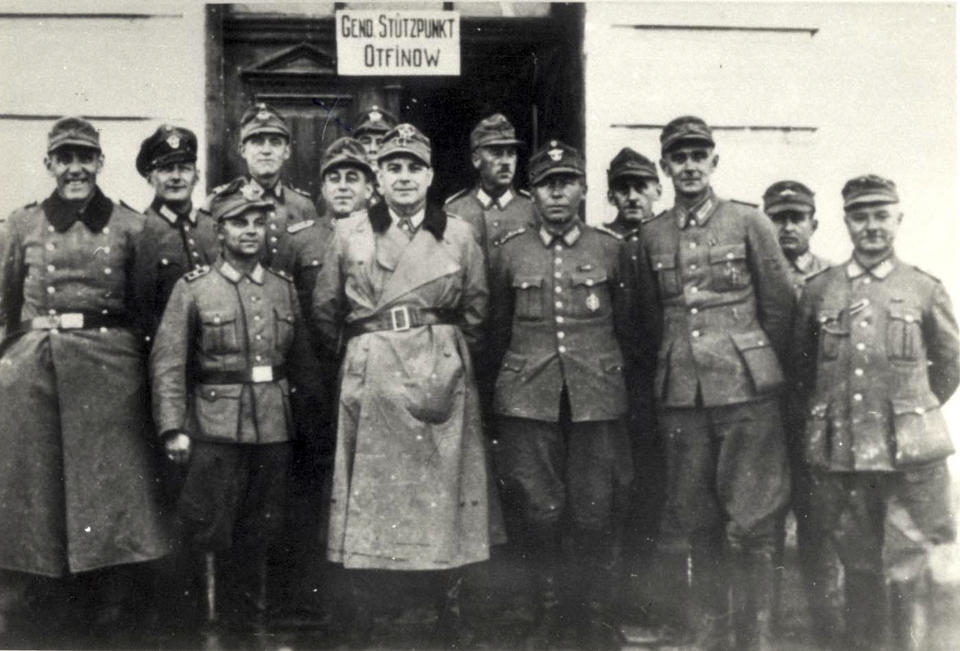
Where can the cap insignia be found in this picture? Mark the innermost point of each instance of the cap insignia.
(174, 141)
(555, 154)
(251, 192)
(787, 191)
(405, 131)
(263, 115)
(375, 116)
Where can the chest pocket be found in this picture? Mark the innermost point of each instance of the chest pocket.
(904, 338)
(834, 332)
(728, 267)
(668, 277)
(528, 292)
(219, 331)
(590, 295)
(284, 322)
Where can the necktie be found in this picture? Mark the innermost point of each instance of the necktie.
(406, 225)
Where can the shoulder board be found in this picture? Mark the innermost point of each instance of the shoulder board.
(32, 204)
(656, 217)
(603, 229)
(282, 274)
(509, 235)
(745, 203)
(129, 207)
(453, 214)
(190, 276)
(456, 195)
(299, 226)
(524, 193)
(817, 273)
(926, 273)
(302, 193)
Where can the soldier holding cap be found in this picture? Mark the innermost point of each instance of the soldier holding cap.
(726, 305)
(181, 238)
(876, 356)
(230, 350)
(492, 207)
(372, 125)
(562, 453)
(265, 147)
(403, 288)
(74, 387)
(633, 186)
(790, 206)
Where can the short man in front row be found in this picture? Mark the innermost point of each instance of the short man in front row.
(562, 452)
(791, 207)
(493, 206)
(876, 356)
(230, 349)
(403, 289)
(726, 306)
(79, 499)
(633, 187)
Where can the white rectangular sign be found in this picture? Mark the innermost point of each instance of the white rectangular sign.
(393, 42)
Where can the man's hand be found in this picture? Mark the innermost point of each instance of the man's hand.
(178, 448)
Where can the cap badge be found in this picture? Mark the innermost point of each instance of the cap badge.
(375, 116)
(555, 154)
(263, 115)
(251, 192)
(405, 131)
(787, 192)
(174, 141)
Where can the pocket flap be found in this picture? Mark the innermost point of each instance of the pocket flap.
(828, 314)
(589, 278)
(661, 261)
(750, 340)
(213, 392)
(523, 282)
(513, 362)
(284, 315)
(729, 252)
(612, 365)
(916, 405)
(904, 313)
(217, 317)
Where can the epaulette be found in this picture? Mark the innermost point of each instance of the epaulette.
(926, 273)
(299, 226)
(603, 229)
(524, 193)
(202, 270)
(807, 279)
(32, 204)
(655, 217)
(745, 203)
(129, 207)
(282, 274)
(456, 195)
(509, 235)
(302, 193)
(453, 214)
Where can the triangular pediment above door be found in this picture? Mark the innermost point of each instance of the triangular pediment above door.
(300, 61)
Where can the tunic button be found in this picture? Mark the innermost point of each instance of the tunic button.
(693, 245)
(558, 289)
(694, 310)
(51, 290)
(861, 346)
(694, 290)
(558, 248)
(256, 317)
(693, 266)
(50, 246)
(730, 256)
(524, 285)
(557, 260)
(259, 337)
(558, 305)
(191, 241)
(562, 349)
(659, 265)
(52, 312)
(106, 249)
(273, 238)
(106, 230)
(857, 397)
(216, 319)
(557, 275)
(164, 261)
(104, 311)
(864, 323)
(51, 268)
(858, 372)
(51, 228)
(107, 270)
(196, 255)
(559, 319)
(589, 282)
(560, 334)
(273, 250)
(273, 226)
(908, 318)
(866, 281)
(695, 333)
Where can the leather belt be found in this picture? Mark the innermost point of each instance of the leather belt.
(75, 321)
(398, 319)
(252, 375)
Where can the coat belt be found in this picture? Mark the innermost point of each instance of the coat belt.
(252, 375)
(399, 318)
(75, 321)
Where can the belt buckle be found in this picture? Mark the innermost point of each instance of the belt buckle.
(70, 321)
(261, 374)
(400, 318)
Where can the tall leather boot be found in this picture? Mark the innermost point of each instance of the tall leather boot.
(595, 559)
(865, 610)
(544, 548)
(910, 613)
(245, 580)
(753, 590)
(824, 587)
(451, 630)
(708, 609)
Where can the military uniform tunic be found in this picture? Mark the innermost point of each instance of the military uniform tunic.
(877, 354)
(726, 303)
(177, 244)
(78, 487)
(490, 218)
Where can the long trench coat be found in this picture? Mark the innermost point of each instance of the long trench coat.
(410, 486)
(78, 484)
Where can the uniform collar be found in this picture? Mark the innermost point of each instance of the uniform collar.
(235, 276)
(569, 237)
(416, 219)
(164, 210)
(698, 212)
(276, 192)
(879, 271)
(804, 262)
(486, 200)
(62, 214)
(435, 220)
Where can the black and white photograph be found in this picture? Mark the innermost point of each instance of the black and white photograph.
(527, 325)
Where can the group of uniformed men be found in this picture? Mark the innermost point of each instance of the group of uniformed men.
(647, 381)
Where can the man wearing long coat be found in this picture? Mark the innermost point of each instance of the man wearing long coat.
(403, 288)
(78, 489)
